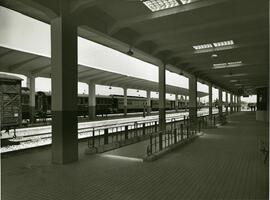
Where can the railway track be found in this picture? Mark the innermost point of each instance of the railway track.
(35, 137)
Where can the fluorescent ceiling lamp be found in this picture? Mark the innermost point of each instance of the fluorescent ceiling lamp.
(203, 46)
(233, 81)
(214, 45)
(223, 43)
(227, 65)
(157, 5)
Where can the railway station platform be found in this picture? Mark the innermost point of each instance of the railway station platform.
(223, 163)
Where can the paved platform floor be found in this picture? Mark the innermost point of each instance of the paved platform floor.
(224, 163)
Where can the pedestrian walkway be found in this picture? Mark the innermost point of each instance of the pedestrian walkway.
(224, 163)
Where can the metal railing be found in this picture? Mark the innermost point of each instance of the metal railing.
(119, 133)
(178, 131)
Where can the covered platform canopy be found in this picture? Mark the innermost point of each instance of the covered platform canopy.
(28, 64)
(190, 37)
(220, 42)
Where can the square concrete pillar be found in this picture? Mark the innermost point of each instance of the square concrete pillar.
(91, 101)
(125, 101)
(227, 111)
(220, 102)
(64, 87)
(186, 103)
(32, 98)
(148, 102)
(176, 102)
(234, 103)
(231, 103)
(162, 102)
(210, 100)
(193, 101)
(262, 112)
(199, 103)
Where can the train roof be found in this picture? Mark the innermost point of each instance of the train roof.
(10, 77)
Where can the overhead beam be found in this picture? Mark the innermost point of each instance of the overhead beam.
(197, 27)
(49, 8)
(80, 6)
(5, 53)
(19, 65)
(85, 71)
(40, 70)
(163, 13)
(116, 80)
(110, 78)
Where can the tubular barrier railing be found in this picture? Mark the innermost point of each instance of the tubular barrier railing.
(176, 130)
(182, 130)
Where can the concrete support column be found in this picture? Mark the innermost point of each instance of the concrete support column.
(227, 111)
(238, 104)
(234, 103)
(162, 102)
(91, 101)
(231, 103)
(32, 98)
(193, 101)
(64, 86)
(220, 102)
(210, 100)
(148, 102)
(185, 104)
(125, 101)
(176, 102)
(262, 112)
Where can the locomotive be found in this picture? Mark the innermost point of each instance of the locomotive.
(104, 104)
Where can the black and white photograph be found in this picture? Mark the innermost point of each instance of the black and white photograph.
(134, 99)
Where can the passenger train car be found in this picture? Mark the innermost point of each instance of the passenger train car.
(104, 104)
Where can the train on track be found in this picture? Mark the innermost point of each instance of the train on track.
(10, 102)
(104, 104)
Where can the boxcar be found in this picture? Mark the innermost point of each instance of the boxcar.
(10, 101)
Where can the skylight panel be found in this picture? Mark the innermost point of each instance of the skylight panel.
(185, 1)
(157, 5)
(223, 43)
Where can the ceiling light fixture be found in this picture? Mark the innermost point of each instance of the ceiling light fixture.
(223, 43)
(227, 65)
(214, 56)
(202, 46)
(214, 45)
